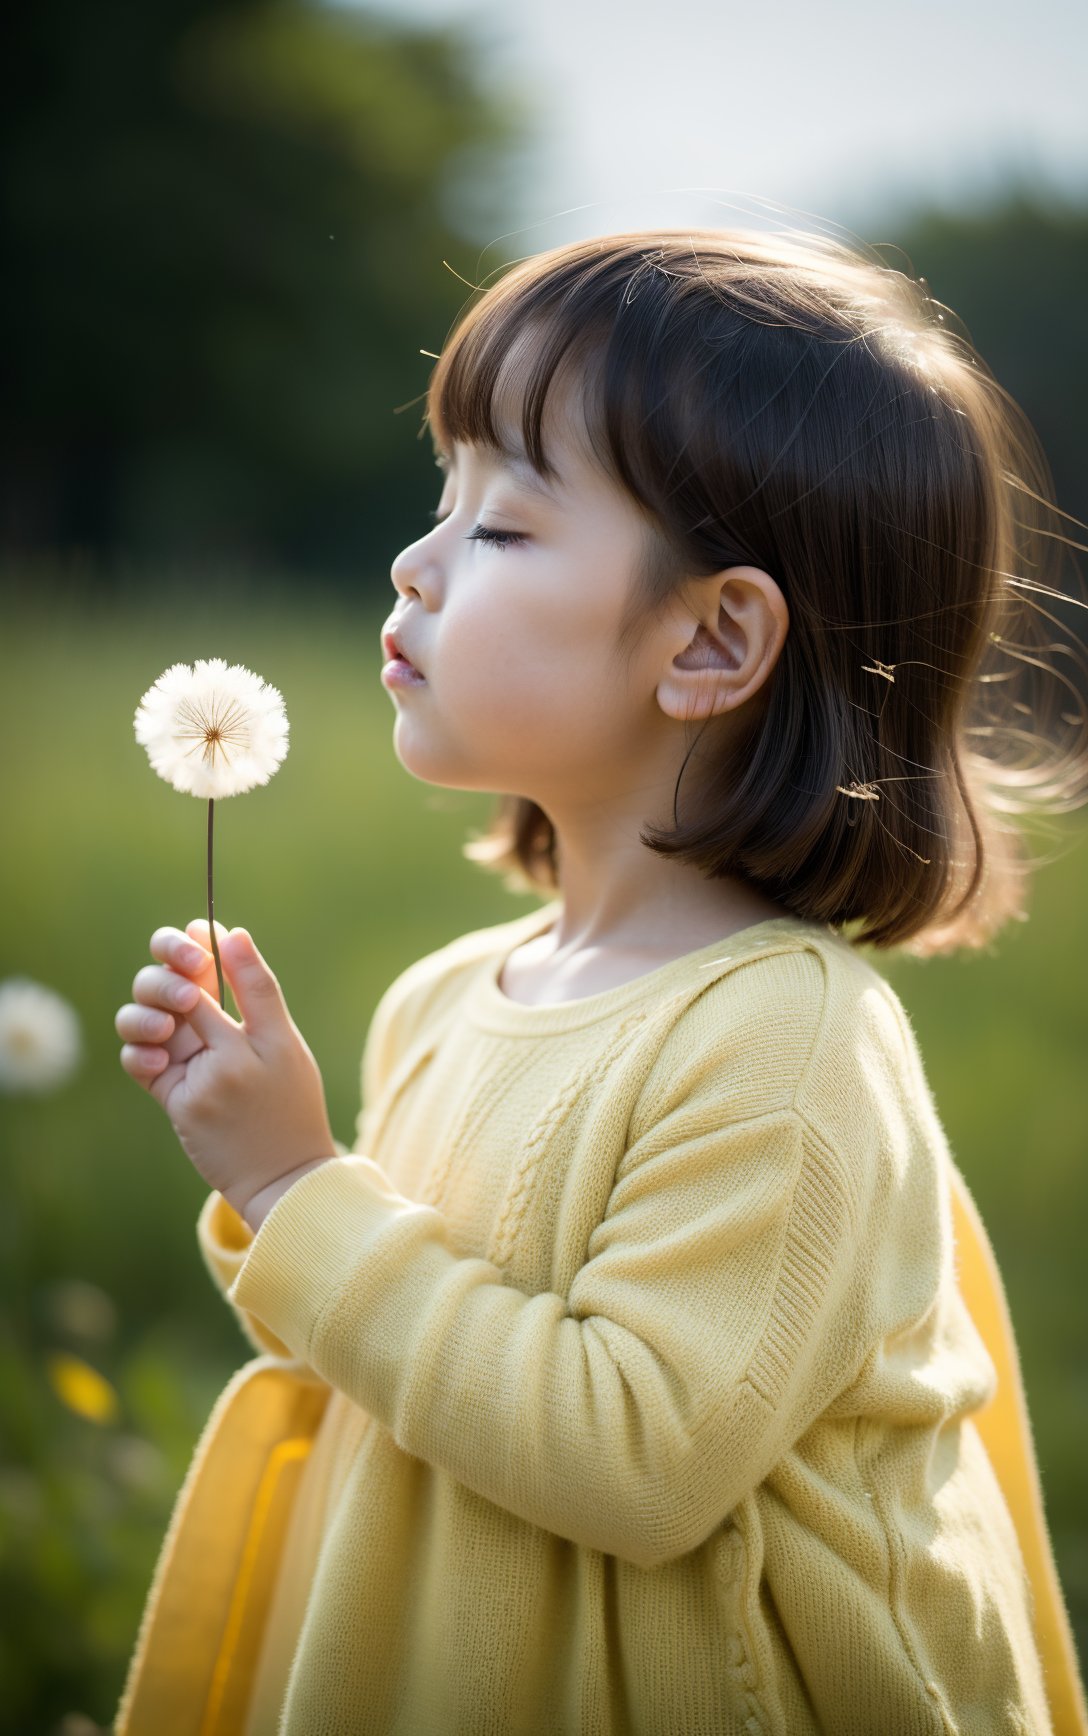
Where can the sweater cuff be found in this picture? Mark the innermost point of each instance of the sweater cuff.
(224, 1238)
(315, 1235)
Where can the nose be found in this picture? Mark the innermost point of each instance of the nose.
(409, 568)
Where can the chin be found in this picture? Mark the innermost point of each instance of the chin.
(434, 769)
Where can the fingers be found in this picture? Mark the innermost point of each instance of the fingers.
(143, 1061)
(143, 1024)
(199, 931)
(144, 1029)
(156, 985)
(190, 953)
(153, 1027)
(172, 947)
(153, 1038)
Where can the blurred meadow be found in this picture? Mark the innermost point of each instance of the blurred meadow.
(238, 231)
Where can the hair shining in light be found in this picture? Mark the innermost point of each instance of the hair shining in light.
(793, 403)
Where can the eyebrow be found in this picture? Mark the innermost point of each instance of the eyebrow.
(519, 465)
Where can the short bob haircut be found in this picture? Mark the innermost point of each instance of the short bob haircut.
(789, 403)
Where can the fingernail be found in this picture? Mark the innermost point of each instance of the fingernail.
(191, 956)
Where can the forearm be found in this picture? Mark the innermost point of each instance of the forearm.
(363, 1286)
(620, 1415)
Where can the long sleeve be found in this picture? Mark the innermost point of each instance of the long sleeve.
(711, 1321)
(224, 1239)
(223, 1236)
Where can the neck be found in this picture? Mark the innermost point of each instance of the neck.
(620, 896)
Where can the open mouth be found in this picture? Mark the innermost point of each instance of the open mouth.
(394, 654)
(399, 672)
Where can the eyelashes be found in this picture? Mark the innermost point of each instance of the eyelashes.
(499, 539)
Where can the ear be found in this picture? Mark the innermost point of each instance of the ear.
(722, 643)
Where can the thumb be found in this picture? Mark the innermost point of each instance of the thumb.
(253, 984)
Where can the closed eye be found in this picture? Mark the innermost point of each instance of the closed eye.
(500, 539)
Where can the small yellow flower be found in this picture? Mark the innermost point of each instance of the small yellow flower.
(82, 1388)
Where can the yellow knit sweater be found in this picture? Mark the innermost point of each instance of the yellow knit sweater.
(618, 1381)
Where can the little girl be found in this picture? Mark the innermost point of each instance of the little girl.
(644, 1366)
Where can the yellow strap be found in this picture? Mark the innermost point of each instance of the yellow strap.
(201, 1628)
(248, 1608)
(1005, 1428)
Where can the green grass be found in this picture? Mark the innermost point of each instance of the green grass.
(346, 869)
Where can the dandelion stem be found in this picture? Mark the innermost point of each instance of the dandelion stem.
(211, 907)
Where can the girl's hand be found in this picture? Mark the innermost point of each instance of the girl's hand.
(246, 1100)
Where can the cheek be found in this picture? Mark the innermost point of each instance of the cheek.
(534, 672)
(520, 682)
(501, 660)
(507, 714)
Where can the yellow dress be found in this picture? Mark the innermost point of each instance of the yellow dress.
(645, 1368)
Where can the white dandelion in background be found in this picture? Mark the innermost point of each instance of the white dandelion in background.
(41, 1042)
(213, 730)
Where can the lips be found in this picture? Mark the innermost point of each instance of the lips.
(392, 647)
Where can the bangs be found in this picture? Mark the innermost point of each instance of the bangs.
(559, 327)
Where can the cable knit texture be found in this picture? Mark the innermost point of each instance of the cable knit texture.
(618, 1381)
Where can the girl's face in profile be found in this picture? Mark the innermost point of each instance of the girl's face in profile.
(510, 608)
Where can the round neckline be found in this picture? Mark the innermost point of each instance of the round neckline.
(490, 1009)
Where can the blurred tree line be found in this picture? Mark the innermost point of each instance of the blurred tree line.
(226, 226)
(1014, 271)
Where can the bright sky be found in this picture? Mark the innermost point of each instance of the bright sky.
(677, 111)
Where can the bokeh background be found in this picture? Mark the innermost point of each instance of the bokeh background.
(230, 230)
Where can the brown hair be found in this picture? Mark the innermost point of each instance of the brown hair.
(793, 404)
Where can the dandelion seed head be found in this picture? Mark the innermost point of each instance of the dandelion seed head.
(212, 730)
(41, 1043)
